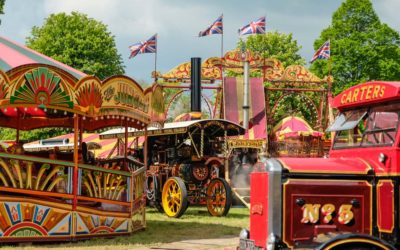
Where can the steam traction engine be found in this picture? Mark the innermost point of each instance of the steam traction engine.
(347, 201)
(187, 166)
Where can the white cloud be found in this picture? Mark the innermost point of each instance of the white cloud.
(134, 18)
(178, 22)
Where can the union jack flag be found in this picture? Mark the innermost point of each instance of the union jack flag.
(255, 27)
(324, 52)
(215, 28)
(149, 46)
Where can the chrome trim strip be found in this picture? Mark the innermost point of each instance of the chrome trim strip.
(274, 168)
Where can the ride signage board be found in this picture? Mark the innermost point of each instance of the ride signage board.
(367, 93)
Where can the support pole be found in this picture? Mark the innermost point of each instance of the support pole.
(76, 154)
(246, 107)
(155, 61)
(126, 145)
(145, 145)
(18, 126)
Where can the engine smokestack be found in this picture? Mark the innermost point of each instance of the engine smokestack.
(195, 77)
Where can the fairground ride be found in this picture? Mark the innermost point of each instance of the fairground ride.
(258, 104)
(50, 195)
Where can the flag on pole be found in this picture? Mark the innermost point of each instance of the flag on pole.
(324, 52)
(149, 46)
(255, 27)
(215, 28)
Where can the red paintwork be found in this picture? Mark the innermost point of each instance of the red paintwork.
(329, 165)
(302, 194)
(385, 206)
(259, 208)
(321, 192)
(367, 94)
(371, 156)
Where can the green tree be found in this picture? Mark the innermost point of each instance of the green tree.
(32, 135)
(362, 48)
(78, 41)
(2, 6)
(275, 45)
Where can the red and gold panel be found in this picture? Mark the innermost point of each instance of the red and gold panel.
(385, 206)
(24, 219)
(367, 93)
(313, 207)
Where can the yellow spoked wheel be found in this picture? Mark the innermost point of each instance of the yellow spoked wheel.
(219, 197)
(174, 197)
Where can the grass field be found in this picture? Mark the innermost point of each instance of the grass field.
(196, 223)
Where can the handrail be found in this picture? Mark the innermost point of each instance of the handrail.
(36, 159)
(106, 170)
(63, 163)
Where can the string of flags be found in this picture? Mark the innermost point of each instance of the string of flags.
(254, 27)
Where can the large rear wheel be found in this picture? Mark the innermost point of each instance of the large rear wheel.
(174, 197)
(219, 197)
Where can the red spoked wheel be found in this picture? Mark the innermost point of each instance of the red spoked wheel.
(219, 197)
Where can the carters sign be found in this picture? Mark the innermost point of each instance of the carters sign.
(367, 93)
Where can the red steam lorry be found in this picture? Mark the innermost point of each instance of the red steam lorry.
(349, 200)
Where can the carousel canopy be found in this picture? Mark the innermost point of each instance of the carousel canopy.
(233, 102)
(294, 127)
(182, 127)
(13, 55)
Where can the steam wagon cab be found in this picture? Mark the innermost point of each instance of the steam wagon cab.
(347, 201)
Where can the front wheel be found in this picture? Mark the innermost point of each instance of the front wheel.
(356, 242)
(219, 197)
(174, 197)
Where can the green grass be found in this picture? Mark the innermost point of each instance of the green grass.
(196, 223)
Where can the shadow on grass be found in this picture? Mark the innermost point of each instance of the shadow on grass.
(157, 232)
(237, 213)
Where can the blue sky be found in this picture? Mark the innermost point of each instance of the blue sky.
(178, 22)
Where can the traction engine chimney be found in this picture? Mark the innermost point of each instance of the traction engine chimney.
(195, 87)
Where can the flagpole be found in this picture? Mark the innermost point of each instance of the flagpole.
(155, 60)
(222, 62)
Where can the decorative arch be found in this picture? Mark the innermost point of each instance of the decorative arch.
(179, 93)
(310, 103)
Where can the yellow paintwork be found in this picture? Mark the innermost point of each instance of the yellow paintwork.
(172, 198)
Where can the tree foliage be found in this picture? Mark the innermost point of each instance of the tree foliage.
(275, 45)
(78, 41)
(2, 6)
(32, 135)
(362, 48)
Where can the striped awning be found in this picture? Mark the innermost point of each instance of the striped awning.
(294, 127)
(106, 144)
(13, 55)
(233, 105)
